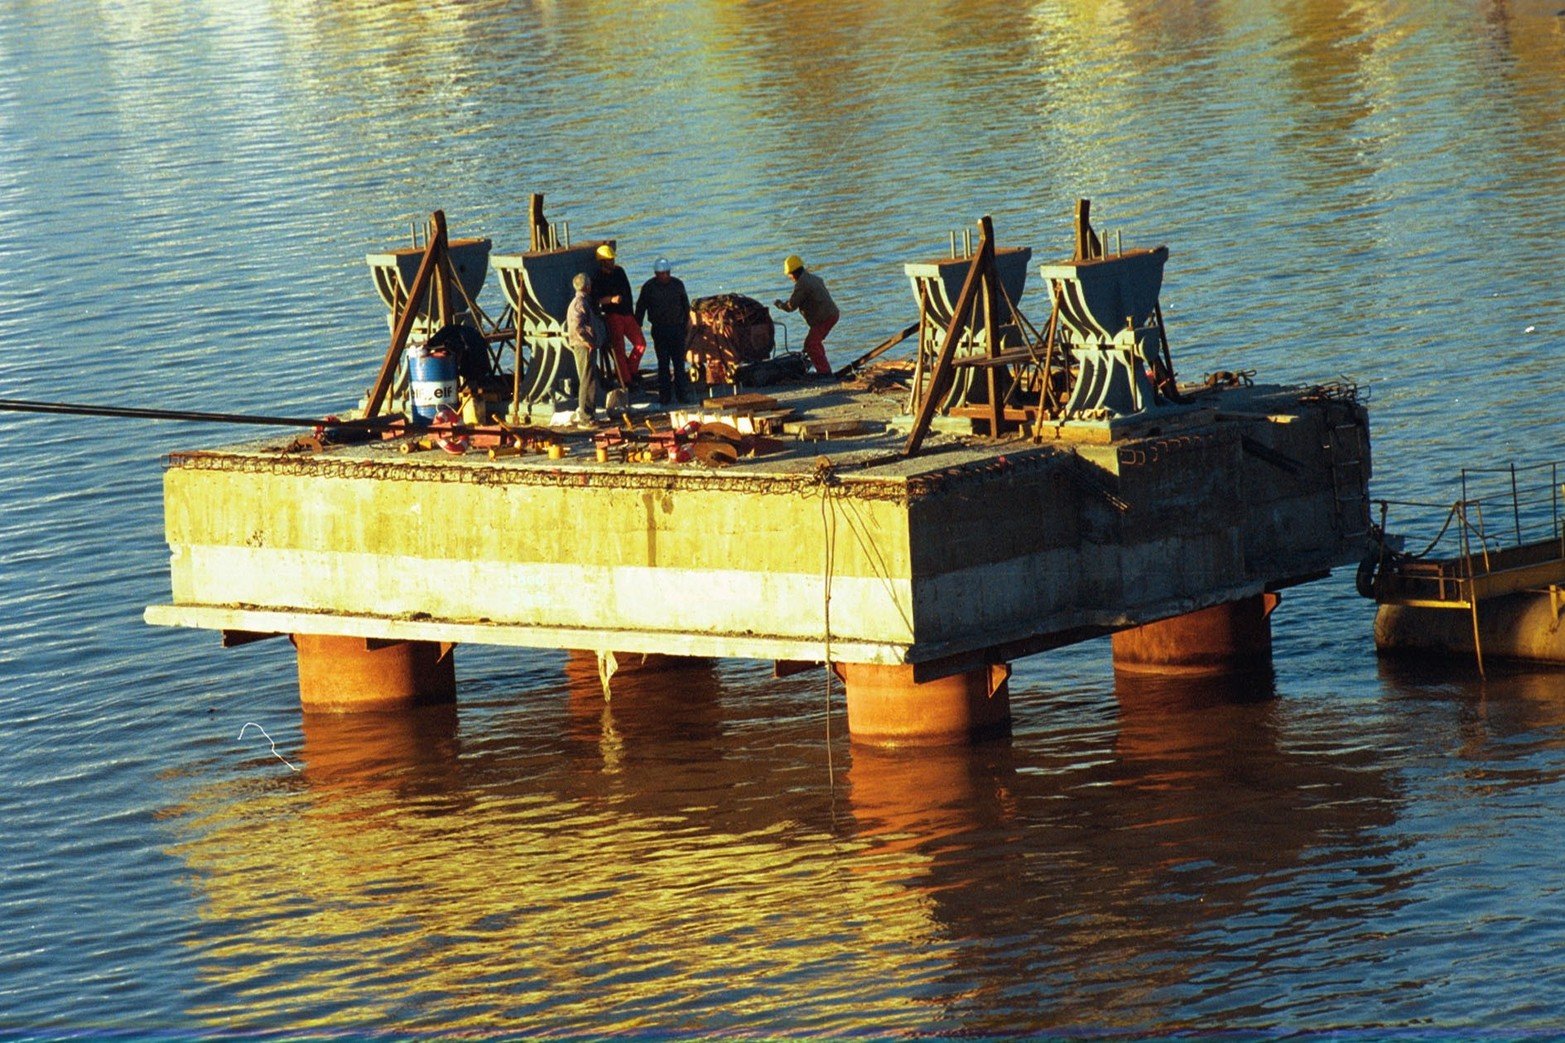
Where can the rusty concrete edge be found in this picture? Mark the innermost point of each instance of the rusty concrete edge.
(258, 620)
(930, 659)
(841, 478)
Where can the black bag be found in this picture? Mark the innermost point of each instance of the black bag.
(473, 362)
(779, 369)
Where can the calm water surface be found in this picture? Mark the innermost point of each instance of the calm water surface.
(187, 191)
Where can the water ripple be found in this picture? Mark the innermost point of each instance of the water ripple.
(186, 196)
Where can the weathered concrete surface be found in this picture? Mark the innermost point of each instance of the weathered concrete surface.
(572, 552)
(971, 548)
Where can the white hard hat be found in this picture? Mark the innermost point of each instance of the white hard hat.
(662, 265)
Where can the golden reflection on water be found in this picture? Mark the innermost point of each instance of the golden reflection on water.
(547, 858)
(592, 889)
(652, 865)
(673, 855)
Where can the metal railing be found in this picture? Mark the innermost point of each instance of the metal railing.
(1500, 510)
(1505, 537)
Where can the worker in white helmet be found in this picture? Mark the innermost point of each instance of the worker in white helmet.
(812, 300)
(664, 301)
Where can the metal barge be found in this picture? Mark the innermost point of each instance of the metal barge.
(1489, 584)
(1013, 488)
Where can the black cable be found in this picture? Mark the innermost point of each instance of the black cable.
(17, 405)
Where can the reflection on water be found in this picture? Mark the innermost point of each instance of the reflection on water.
(665, 864)
(373, 751)
(1142, 695)
(1512, 710)
(1134, 877)
(1371, 190)
(624, 874)
(673, 701)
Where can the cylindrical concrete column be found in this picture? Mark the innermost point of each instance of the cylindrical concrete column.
(886, 707)
(1230, 638)
(353, 674)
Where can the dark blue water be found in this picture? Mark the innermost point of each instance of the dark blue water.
(187, 192)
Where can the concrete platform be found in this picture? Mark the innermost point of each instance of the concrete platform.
(970, 553)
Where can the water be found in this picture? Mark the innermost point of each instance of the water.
(187, 191)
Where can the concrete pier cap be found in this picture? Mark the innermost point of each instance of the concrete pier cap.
(920, 577)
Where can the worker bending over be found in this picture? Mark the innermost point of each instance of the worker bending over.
(611, 289)
(664, 301)
(812, 300)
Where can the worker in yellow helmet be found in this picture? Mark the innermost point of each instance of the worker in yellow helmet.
(611, 289)
(811, 299)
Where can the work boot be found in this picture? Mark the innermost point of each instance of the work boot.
(581, 418)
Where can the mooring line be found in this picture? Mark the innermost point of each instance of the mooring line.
(257, 727)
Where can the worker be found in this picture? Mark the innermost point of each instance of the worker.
(611, 289)
(584, 331)
(664, 301)
(812, 300)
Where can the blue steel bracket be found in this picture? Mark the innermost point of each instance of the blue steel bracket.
(1112, 379)
(1108, 315)
(394, 270)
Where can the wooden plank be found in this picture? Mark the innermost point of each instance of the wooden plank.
(987, 361)
(1514, 581)
(1421, 603)
(750, 400)
(1478, 589)
(992, 346)
(877, 351)
(828, 428)
(1013, 414)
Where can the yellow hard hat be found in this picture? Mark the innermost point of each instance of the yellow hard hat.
(606, 252)
(792, 263)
